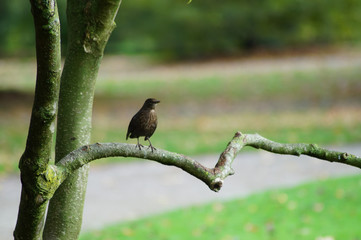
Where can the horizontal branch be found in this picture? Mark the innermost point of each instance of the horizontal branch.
(88, 153)
(213, 177)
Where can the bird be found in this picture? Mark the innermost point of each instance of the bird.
(144, 123)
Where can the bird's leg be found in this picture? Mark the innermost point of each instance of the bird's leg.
(138, 144)
(150, 145)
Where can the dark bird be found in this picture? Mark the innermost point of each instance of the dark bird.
(144, 123)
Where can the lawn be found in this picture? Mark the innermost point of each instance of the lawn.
(322, 210)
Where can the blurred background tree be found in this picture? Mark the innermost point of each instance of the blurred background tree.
(175, 30)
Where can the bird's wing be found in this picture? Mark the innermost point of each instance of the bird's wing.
(130, 129)
(132, 125)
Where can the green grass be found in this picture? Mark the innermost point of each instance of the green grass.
(328, 208)
(320, 84)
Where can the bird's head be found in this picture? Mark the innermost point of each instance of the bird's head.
(150, 103)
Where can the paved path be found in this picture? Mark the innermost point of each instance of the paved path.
(120, 192)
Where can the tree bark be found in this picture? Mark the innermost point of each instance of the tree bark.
(34, 161)
(90, 24)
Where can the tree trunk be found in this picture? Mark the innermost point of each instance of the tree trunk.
(90, 24)
(34, 161)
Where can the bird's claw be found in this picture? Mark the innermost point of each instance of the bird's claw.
(152, 148)
(139, 146)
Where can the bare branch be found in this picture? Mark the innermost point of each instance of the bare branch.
(257, 141)
(88, 153)
(213, 177)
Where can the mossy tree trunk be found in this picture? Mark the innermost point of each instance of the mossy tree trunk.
(35, 159)
(89, 30)
(90, 24)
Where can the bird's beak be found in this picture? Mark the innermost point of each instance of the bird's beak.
(156, 101)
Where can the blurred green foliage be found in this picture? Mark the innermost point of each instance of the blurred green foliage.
(175, 29)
